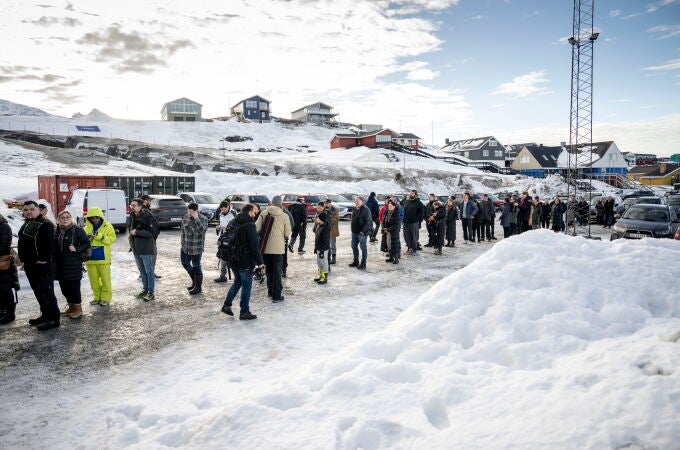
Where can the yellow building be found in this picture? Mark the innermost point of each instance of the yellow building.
(663, 174)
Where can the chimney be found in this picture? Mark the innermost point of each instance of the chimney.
(446, 141)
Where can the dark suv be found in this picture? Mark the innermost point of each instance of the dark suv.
(168, 210)
(644, 220)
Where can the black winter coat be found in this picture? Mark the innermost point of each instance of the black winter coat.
(322, 233)
(429, 208)
(439, 226)
(362, 221)
(451, 217)
(609, 206)
(36, 241)
(373, 206)
(9, 279)
(546, 211)
(524, 209)
(248, 242)
(69, 265)
(414, 211)
(299, 212)
(392, 225)
(143, 242)
(558, 209)
(486, 210)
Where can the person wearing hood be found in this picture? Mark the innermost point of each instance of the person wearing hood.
(194, 226)
(322, 244)
(70, 241)
(274, 240)
(102, 235)
(374, 207)
(225, 214)
(334, 216)
(9, 275)
(36, 250)
(248, 258)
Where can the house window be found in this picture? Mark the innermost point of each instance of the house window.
(264, 115)
(485, 153)
(383, 138)
(492, 143)
(251, 104)
(545, 157)
(264, 105)
(467, 154)
(524, 160)
(499, 153)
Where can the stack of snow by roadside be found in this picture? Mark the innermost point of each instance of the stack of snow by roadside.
(545, 341)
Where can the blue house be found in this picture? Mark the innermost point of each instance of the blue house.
(253, 109)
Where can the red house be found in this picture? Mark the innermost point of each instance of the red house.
(409, 140)
(370, 139)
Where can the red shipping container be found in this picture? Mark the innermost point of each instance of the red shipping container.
(56, 189)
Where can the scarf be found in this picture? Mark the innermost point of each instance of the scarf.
(62, 235)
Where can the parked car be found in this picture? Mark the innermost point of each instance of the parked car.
(309, 200)
(645, 220)
(630, 201)
(168, 210)
(638, 193)
(111, 201)
(208, 204)
(593, 206)
(345, 207)
(239, 199)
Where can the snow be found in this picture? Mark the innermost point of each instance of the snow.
(8, 108)
(544, 341)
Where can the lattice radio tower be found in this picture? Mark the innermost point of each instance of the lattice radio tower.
(580, 155)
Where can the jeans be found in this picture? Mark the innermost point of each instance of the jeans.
(468, 229)
(243, 279)
(411, 232)
(191, 263)
(145, 266)
(608, 219)
(274, 264)
(41, 279)
(359, 240)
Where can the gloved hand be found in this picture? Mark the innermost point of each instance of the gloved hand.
(320, 255)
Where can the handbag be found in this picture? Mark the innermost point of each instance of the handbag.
(5, 262)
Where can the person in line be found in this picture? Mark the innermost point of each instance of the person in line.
(361, 226)
(505, 218)
(249, 258)
(524, 215)
(284, 269)
(438, 226)
(381, 218)
(274, 245)
(546, 209)
(536, 213)
(514, 216)
(146, 204)
(334, 214)
(322, 242)
(608, 211)
(143, 245)
(570, 215)
(374, 207)
(194, 226)
(9, 275)
(414, 213)
(36, 250)
(101, 235)
(299, 212)
(225, 215)
(599, 211)
(451, 218)
(70, 241)
(391, 226)
(44, 211)
(487, 216)
(429, 225)
(558, 210)
(478, 224)
(468, 211)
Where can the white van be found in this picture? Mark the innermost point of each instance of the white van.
(111, 201)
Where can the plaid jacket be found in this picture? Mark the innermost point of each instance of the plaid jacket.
(193, 234)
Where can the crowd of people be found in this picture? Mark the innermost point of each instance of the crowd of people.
(252, 244)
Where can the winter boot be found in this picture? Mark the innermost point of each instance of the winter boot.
(319, 276)
(48, 325)
(396, 260)
(68, 310)
(198, 279)
(332, 259)
(96, 302)
(140, 295)
(76, 311)
(221, 279)
(8, 315)
(247, 316)
(37, 321)
(226, 309)
(193, 282)
(390, 259)
(323, 279)
(149, 296)
(438, 252)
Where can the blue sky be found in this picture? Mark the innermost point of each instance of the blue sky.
(461, 67)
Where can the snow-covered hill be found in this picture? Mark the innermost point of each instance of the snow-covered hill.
(8, 108)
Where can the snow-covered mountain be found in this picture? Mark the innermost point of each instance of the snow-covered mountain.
(8, 108)
(95, 114)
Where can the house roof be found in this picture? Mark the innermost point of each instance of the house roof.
(321, 104)
(250, 98)
(362, 134)
(546, 156)
(599, 148)
(466, 144)
(408, 136)
(655, 170)
(181, 98)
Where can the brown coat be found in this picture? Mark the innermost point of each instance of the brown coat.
(335, 222)
(280, 230)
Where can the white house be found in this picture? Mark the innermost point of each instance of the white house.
(607, 158)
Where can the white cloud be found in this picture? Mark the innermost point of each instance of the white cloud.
(670, 31)
(525, 85)
(477, 17)
(422, 75)
(614, 13)
(620, 100)
(660, 4)
(673, 64)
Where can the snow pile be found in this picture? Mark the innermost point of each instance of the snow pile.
(8, 108)
(545, 341)
(95, 115)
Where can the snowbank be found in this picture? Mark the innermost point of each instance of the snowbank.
(545, 341)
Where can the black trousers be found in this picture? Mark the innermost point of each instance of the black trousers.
(41, 279)
(493, 227)
(545, 222)
(524, 225)
(6, 299)
(431, 233)
(486, 229)
(506, 232)
(71, 290)
(467, 229)
(274, 265)
(376, 228)
(299, 230)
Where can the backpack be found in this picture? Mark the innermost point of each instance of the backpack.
(229, 247)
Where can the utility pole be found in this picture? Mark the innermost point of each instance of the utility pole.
(579, 151)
